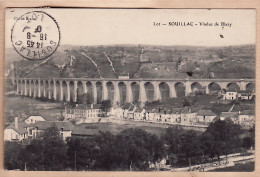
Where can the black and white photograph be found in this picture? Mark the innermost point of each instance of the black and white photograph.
(95, 89)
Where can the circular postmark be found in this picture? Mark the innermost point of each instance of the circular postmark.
(35, 35)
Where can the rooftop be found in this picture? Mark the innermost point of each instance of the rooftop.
(243, 91)
(21, 127)
(206, 113)
(139, 110)
(232, 90)
(84, 132)
(127, 106)
(42, 125)
(229, 114)
(248, 112)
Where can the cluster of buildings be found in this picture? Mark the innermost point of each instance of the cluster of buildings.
(33, 126)
(184, 116)
(82, 111)
(233, 94)
(181, 116)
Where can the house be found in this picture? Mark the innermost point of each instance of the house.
(126, 107)
(118, 112)
(231, 94)
(165, 115)
(246, 118)
(93, 110)
(244, 94)
(139, 114)
(16, 131)
(69, 112)
(205, 116)
(82, 111)
(83, 132)
(130, 113)
(188, 116)
(151, 115)
(175, 116)
(65, 128)
(232, 115)
(33, 119)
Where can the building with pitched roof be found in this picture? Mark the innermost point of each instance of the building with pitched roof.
(188, 116)
(83, 132)
(17, 131)
(80, 111)
(139, 114)
(232, 115)
(65, 128)
(128, 110)
(205, 116)
(130, 113)
(244, 94)
(33, 119)
(246, 118)
(231, 94)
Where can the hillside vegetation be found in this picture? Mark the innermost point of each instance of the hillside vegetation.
(138, 61)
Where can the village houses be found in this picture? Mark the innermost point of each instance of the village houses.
(246, 118)
(244, 94)
(139, 114)
(233, 94)
(16, 131)
(82, 111)
(33, 119)
(65, 128)
(232, 115)
(205, 116)
(188, 116)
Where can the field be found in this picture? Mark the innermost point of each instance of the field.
(25, 106)
(115, 128)
(248, 167)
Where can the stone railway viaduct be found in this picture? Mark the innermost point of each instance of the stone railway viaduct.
(68, 89)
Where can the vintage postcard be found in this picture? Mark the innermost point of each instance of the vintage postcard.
(129, 90)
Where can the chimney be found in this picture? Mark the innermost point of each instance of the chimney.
(239, 112)
(16, 122)
(91, 106)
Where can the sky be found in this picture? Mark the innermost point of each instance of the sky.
(136, 26)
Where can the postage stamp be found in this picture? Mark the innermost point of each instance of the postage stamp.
(35, 35)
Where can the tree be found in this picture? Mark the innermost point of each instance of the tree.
(186, 102)
(87, 99)
(12, 156)
(47, 152)
(81, 153)
(172, 138)
(108, 156)
(157, 149)
(173, 159)
(139, 148)
(190, 145)
(61, 117)
(105, 106)
(221, 137)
